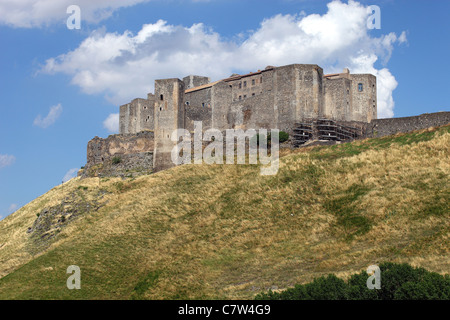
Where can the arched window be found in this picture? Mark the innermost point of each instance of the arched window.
(360, 87)
(162, 97)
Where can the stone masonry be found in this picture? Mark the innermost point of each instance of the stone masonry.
(273, 98)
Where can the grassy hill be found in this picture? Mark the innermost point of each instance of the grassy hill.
(212, 232)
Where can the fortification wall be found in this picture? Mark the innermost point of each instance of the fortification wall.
(307, 101)
(251, 85)
(169, 116)
(195, 81)
(221, 96)
(136, 116)
(385, 127)
(364, 99)
(338, 100)
(253, 112)
(120, 155)
(203, 114)
(198, 108)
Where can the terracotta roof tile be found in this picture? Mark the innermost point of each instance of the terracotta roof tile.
(209, 85)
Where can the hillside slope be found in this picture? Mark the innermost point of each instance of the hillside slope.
(202, 232)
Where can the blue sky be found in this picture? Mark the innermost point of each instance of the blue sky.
(59, 88)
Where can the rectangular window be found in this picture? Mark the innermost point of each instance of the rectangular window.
(240, 85)
(240, 97)
(245, 84)
(360, 87)
(253, 82)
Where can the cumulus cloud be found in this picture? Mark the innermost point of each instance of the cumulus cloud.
(38, 13)
(124, 66)
(112, 123)
(72, 173)
(6, 160)
(51, 117)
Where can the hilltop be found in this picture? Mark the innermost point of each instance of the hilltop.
(225, 231)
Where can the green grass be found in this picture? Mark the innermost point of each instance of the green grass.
(226, 232)
(349, 216)
(352, 149)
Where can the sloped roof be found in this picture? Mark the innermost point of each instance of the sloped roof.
(208, 85)
(237, 77)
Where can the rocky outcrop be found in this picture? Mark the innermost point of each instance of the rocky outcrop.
(127, 155)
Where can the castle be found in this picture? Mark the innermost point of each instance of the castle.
(298, 99)
(273, 98)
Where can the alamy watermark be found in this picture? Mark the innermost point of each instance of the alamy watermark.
(374, 281)
(213, 152)
(74, 281)
(74, 20)
(374, 19)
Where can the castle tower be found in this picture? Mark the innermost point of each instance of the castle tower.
(169, 115)
(364, 92)
(195, 81)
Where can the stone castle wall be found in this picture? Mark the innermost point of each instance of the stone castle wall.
(120, 155)
(135, 151)
(385, 127)
(274, 98)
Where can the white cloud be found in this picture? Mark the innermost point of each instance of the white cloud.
(51, 117)
(72, 173)
(112, 123)
(38, 13)
(6, 160)
(12, 208)
(124, 66)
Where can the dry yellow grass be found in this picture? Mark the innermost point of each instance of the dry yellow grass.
(227, 232)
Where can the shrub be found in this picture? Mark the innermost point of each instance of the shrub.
(398, 282)
(257, 139)
(116, 160)
(284, 136)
